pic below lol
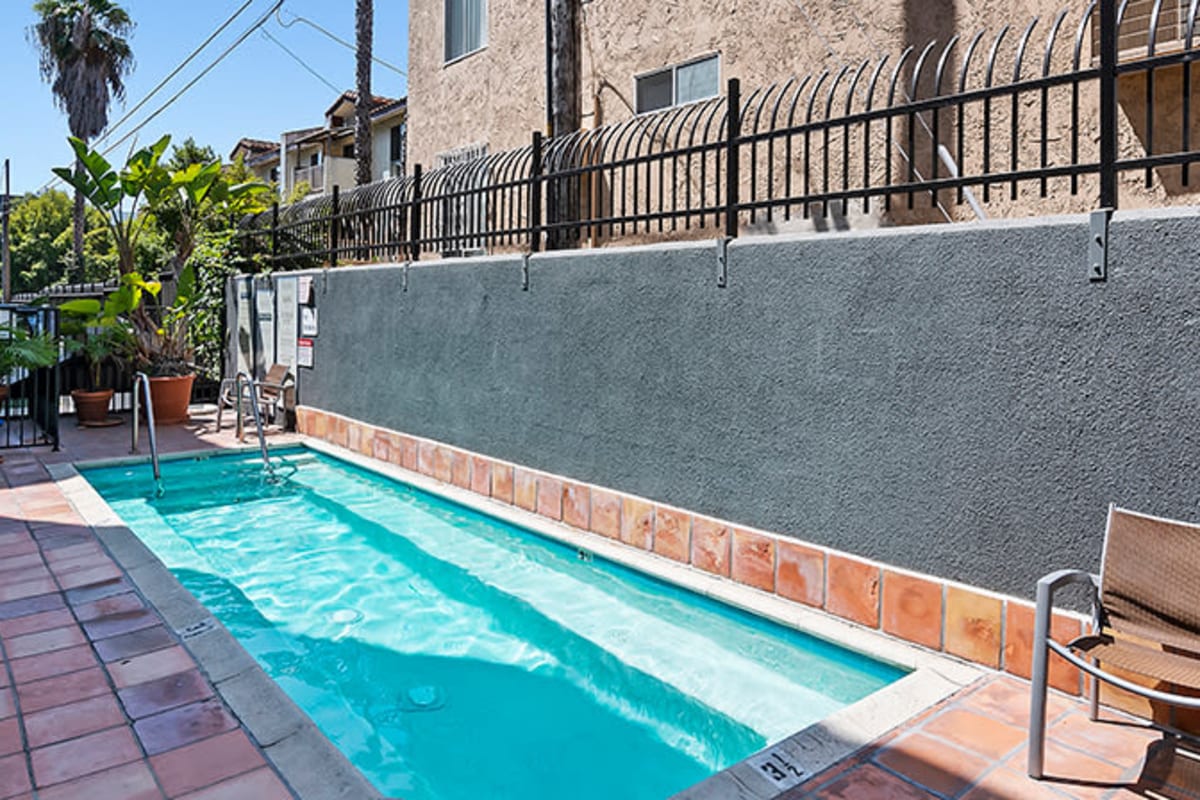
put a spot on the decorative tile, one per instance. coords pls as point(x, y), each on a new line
point(1018, 645)
point(32, 644)
point(576, 506)
point(753, 560)
point(524, 489)
point(132, 644)
point(912, 609)
point(460, 469)
point(62, 689)
point(800, 575)
point(973, 625)
point(261, 784)
point(502, 482)
point(481, 475)
point(872, 783)
point(672, 533)
point(710, 545)
point(120, 622)
point(425, 458)
point(442, 468)
point(550, 497)
point(605, 514)
point(637, 523)
point(381, 446)
point(409, 453)
point(14, 776)
point(117, 604)
point(979, 733)
point(36, 668)
point(932, 764)
point(852, 590)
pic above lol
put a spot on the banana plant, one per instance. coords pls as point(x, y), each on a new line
point(124, 197)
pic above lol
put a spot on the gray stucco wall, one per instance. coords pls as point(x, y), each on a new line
point(955, 400)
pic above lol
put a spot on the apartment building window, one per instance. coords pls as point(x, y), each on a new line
point(466, 27)
point(693, 80)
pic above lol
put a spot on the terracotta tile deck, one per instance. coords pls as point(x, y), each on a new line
point(99, 700)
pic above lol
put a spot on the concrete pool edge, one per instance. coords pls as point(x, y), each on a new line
point(933, 676)
point(311, 765)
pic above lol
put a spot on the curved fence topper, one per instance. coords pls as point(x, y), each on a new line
point(1009, 119)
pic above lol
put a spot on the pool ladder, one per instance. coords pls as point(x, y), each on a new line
point(242, 382)
point(142, 380)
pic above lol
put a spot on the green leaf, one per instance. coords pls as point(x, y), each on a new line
point(86, 307)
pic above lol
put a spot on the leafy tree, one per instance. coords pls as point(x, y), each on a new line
point(84, 56)
point(188, 153)
point(40, 227)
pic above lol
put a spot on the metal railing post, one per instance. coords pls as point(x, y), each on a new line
point(274, 232)
point(733, 127)
point(335, 223)
point(414, 225)
point(535, 195)
point(1108, 104)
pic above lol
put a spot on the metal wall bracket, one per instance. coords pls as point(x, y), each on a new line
point(723, 262)
point(404, 277)
point(525, 272)
point(1098, 245)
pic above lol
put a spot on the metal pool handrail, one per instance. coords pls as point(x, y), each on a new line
point(144, 380)
point(244, 378)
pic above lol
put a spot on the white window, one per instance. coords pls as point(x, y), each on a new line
point(466, 27)
point(678, 84)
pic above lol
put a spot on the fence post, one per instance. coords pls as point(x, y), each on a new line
point(335, 224)
point(274, 232)
point(733, 130)
point(414, 223)
point(535, 195)
point(1108, 104)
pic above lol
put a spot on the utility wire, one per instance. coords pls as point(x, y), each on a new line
point(182, 64)
point(297, 18)
point(262, 20)
point(186, 87)
point(267, 35)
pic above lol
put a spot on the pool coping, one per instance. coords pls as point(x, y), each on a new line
point(309, 763)
point(765, 775)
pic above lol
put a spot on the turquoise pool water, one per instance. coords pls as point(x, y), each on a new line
point(450, 655)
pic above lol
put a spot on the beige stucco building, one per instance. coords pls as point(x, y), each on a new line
point(477, 78)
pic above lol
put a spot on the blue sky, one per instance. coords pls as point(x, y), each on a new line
point(257, 91)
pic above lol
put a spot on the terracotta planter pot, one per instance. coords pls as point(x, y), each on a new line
point(171, 397)
point(91, 408)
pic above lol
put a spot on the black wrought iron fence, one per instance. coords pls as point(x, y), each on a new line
point(29, 398)
point(1010, 117)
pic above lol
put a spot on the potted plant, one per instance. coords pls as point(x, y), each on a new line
point(22, 350)
point(103, 337)
point(181, 203)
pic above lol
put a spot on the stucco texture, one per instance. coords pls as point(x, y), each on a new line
point(955, 400)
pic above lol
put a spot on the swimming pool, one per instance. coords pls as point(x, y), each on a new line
point(450, 655)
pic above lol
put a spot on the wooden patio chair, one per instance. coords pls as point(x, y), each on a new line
point(1146, 618)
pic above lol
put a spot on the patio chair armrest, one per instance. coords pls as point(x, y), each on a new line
point(1064, 577)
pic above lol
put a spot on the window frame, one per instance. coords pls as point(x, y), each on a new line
point(447, 61)
point(674, 70)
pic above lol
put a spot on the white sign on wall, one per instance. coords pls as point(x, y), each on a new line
point(264, 307)
point(308, 321)
point(286, 320)
point(304, 352)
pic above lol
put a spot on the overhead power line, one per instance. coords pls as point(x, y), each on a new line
point(111, 129)
point(267, 35)
point(187, 86)
point(297, 18)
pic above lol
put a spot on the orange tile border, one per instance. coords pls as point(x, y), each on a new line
point(852, 589)
point(912, 609)
point(924, 610)
point(974, 624)
point(752, 559)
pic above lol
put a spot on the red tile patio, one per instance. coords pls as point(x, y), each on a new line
point(98, 698)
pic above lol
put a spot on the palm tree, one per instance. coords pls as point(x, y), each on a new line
point(84, 56)
point(364, 14)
